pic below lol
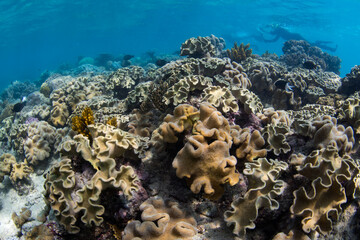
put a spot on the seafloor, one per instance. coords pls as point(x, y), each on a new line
point(211, 144)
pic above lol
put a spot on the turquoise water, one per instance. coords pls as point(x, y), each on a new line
point(40, 35)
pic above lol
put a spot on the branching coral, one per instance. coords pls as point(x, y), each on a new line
point(161, 220)
point(239, 53)
point(80, 123)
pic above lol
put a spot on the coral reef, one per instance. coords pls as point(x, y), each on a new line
point(297, 50)
point(260, 143)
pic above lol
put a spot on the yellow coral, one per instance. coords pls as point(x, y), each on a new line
point(112, 122)
point(239, 53)
point(80, 123)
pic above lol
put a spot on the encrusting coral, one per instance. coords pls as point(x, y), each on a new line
point(161, 220)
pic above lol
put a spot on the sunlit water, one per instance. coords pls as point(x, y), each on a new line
point(40, 35)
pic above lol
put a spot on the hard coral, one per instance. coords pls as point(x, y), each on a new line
point(239, 53)
point(80, 123)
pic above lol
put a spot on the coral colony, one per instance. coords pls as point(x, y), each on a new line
point(216, 144)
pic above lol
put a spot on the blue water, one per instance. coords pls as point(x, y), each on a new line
point(39, 35)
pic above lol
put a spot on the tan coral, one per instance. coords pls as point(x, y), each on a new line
point(183, 119)
point(125, 78)
point(249, 145)
point(180, 91)
point(20, 171)
point(263, 187)
point(40, 138)
point(22, 218)
point(292, 235)
point(221, 98)
point(334, 180)
point(212, 124)
point(161, 220)
point(65, 98)
point(69, 204)
point(206, 166)
point(235, 75)
point(350, 111)
point(198, 47)
point(250, 101)
point(72, 199)
point(7, 160)
point(275, 117)
point(275, 136)
point(327, 132)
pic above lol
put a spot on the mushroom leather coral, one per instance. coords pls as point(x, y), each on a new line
point(248, 144)
point(183, 119)
point(71, 199)
point(161, 220)
point(263, 188)
point(207, 166)
point(69, 204)
point(334, 179)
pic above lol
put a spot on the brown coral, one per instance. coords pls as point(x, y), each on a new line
point(80, 123)
point(239, 53)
